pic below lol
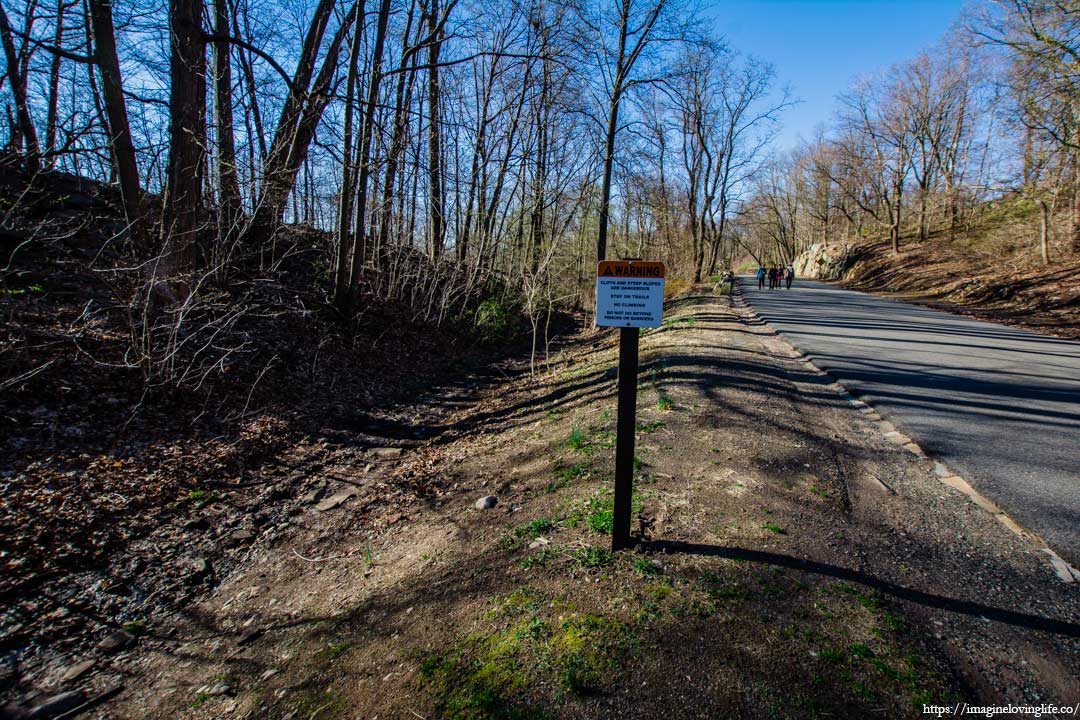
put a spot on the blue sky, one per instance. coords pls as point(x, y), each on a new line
point(818, 46)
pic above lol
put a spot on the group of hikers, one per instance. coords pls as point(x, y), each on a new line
point(777, 276)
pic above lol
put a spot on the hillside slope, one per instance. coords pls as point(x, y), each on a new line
point(126, 495)
point(991, 270)
point(1039, 298)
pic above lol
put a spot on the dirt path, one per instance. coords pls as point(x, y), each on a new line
point(797, 564)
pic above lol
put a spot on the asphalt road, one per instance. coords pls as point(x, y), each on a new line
point(999, 406)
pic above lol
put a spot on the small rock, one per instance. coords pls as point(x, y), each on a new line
point(221, 688)
point(250, 635)
point(239, 537)
point(486, 503)
point(200, 568)
point(57, 614)
point(278, 491)
point(539, 542)
point(335, 500)
point(116, 641)
point(312, 496)
point(77, 670)
point(387, 453)
point(199, 523)
point(58, 705)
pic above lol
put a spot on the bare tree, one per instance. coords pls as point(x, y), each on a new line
point(624, 31)
point(187, 149)
point(17, 80)
point(1046, 37)
point(120, 139)
point(228, 184)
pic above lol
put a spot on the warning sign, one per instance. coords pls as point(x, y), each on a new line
point(629, 293)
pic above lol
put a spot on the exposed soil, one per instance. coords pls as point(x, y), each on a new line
point(988, 282)
point(124, 499)
point(794, 563)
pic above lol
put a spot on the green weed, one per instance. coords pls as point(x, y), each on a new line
point(603, 521)
point(534, 529)
point(832, 656)
point(542, 557)
point(333, 652)
point(591, 556)
point(579, 441)
point(893, 622)
point(646, 567)
point(860, 650)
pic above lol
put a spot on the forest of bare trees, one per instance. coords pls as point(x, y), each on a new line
point(918, 150)
point(457, 156)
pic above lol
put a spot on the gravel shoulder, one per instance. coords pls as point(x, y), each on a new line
point(998, 406)
point(794, 563)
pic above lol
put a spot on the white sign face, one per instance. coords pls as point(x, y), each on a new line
point(629, 296)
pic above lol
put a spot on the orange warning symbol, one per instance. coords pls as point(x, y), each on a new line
point(650, 269)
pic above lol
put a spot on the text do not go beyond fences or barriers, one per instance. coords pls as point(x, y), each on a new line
point(629, 294)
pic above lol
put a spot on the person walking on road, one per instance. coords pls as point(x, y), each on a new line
point(789, 275)
point(761, 277)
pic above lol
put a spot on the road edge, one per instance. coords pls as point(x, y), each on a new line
point(1063, 570)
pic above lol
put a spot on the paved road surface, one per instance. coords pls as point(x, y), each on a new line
point(999, 406)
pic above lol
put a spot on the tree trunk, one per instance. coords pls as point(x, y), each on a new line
point(1044, 232)
point(436, 210)
point(923, 232)
point(536, 218)
point(894, 230)
point(54, 87)
point(279, 172)
point(187, 141)
point(367, 131)
point(403, 99)
point(123, 150)
point(1076, 200)
point(95, 92)
point(253, 100)
point(344, 237)
point(605, 187)
point(228, 185)
point(17, 80)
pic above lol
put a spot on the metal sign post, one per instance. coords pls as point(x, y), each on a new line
point(629, 295)
point(624, 436)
